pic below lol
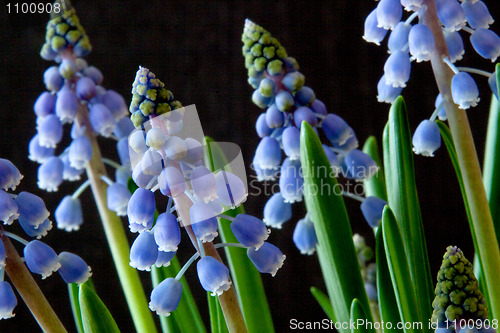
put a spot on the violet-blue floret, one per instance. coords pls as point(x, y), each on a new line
point(288, 102)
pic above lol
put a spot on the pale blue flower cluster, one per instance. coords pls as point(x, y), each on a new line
point(410, 41)
point(280, 89)
point(167, 155)
point(76, 99)
point(30, 211)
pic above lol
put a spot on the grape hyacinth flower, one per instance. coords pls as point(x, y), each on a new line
point(167, 155)
point(456, 18)
point(280, 89)
point(457, 293)
point(30, 211)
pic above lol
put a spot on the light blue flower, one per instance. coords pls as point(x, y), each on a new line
point(284, 101)
point(486, 43)
point(268, 154)
point(477, 14)
point(261, 126)
point(291, 142)
point(455, 45)
point(451, 14)
point(80, 152)
point(412, 5)
point(304, 236)
point(73, 268)
point(213, 275)
point(231, 190)
point(204, 184)
point(40, 231)
point(68, 68)
point(50, 131)
point(85, 88)
point(427, 138)
point(118, 196)
point(305, 96)
point(70, 173)
point(101, 119)
point(397, 69)
point(389, 13)
point(386, 92)
point(274, 117)
point(50, 174)
point(52, 79)
point(41, 258)
point(203, 222)
point(167, 233)
point(372, 32)
point(372, 208)
point(68, 214)
point(291, 181)
point(144, 251)
point(8, 208)
point(38, 153)
point(304, 114)
point(8, 300)
point(268, 259)
point(66, 105)
point(277, 211)
point(94, 73)
point(141, 206)
point(32, 209)
point(249, 230)
point(123, 128)
point(398, 39)
point(172, 182)
point(166, 296)
point(164, 258)
point(464, 90)
point(294, 81)
point(359, 165)
point(45, 104)
point(421, 42)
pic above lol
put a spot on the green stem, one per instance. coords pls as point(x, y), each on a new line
point(29, 290)
point(469, 164)
point(116, 236)
point(228, 300)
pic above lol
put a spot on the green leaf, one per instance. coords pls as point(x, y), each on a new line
point(75, 306)
point(389, 311)
point(96, 317)
point(217, 321)
point(246, 279)
point(400, 272)
point(186, 318)
point(375, 186)
point(403, 200)
point(358, 316)
point(323, 301)
point(491, 174)
point(336, 252)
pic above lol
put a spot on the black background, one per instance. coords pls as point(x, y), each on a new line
point(194, 47)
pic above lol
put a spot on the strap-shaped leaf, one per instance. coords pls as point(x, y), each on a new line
point(359, 318)
point(400, 273)
point(336, 252)
point(375, 186)
point(217, 321)
point(389, 311)
point(75, 306)
point(323, 301)
point(96, 317)
point(403, 200)
point(246, 279)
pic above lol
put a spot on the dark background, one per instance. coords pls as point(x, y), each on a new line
point(194, 47)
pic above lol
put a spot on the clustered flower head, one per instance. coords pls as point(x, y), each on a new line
point(76, 102)
point(30, 211)
point(410, 41)
point(280, 89)
point(167, 156)
point(458, 295)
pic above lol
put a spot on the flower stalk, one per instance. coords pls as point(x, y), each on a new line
point(29, 290)
point(469, 164)
point(115, 234)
